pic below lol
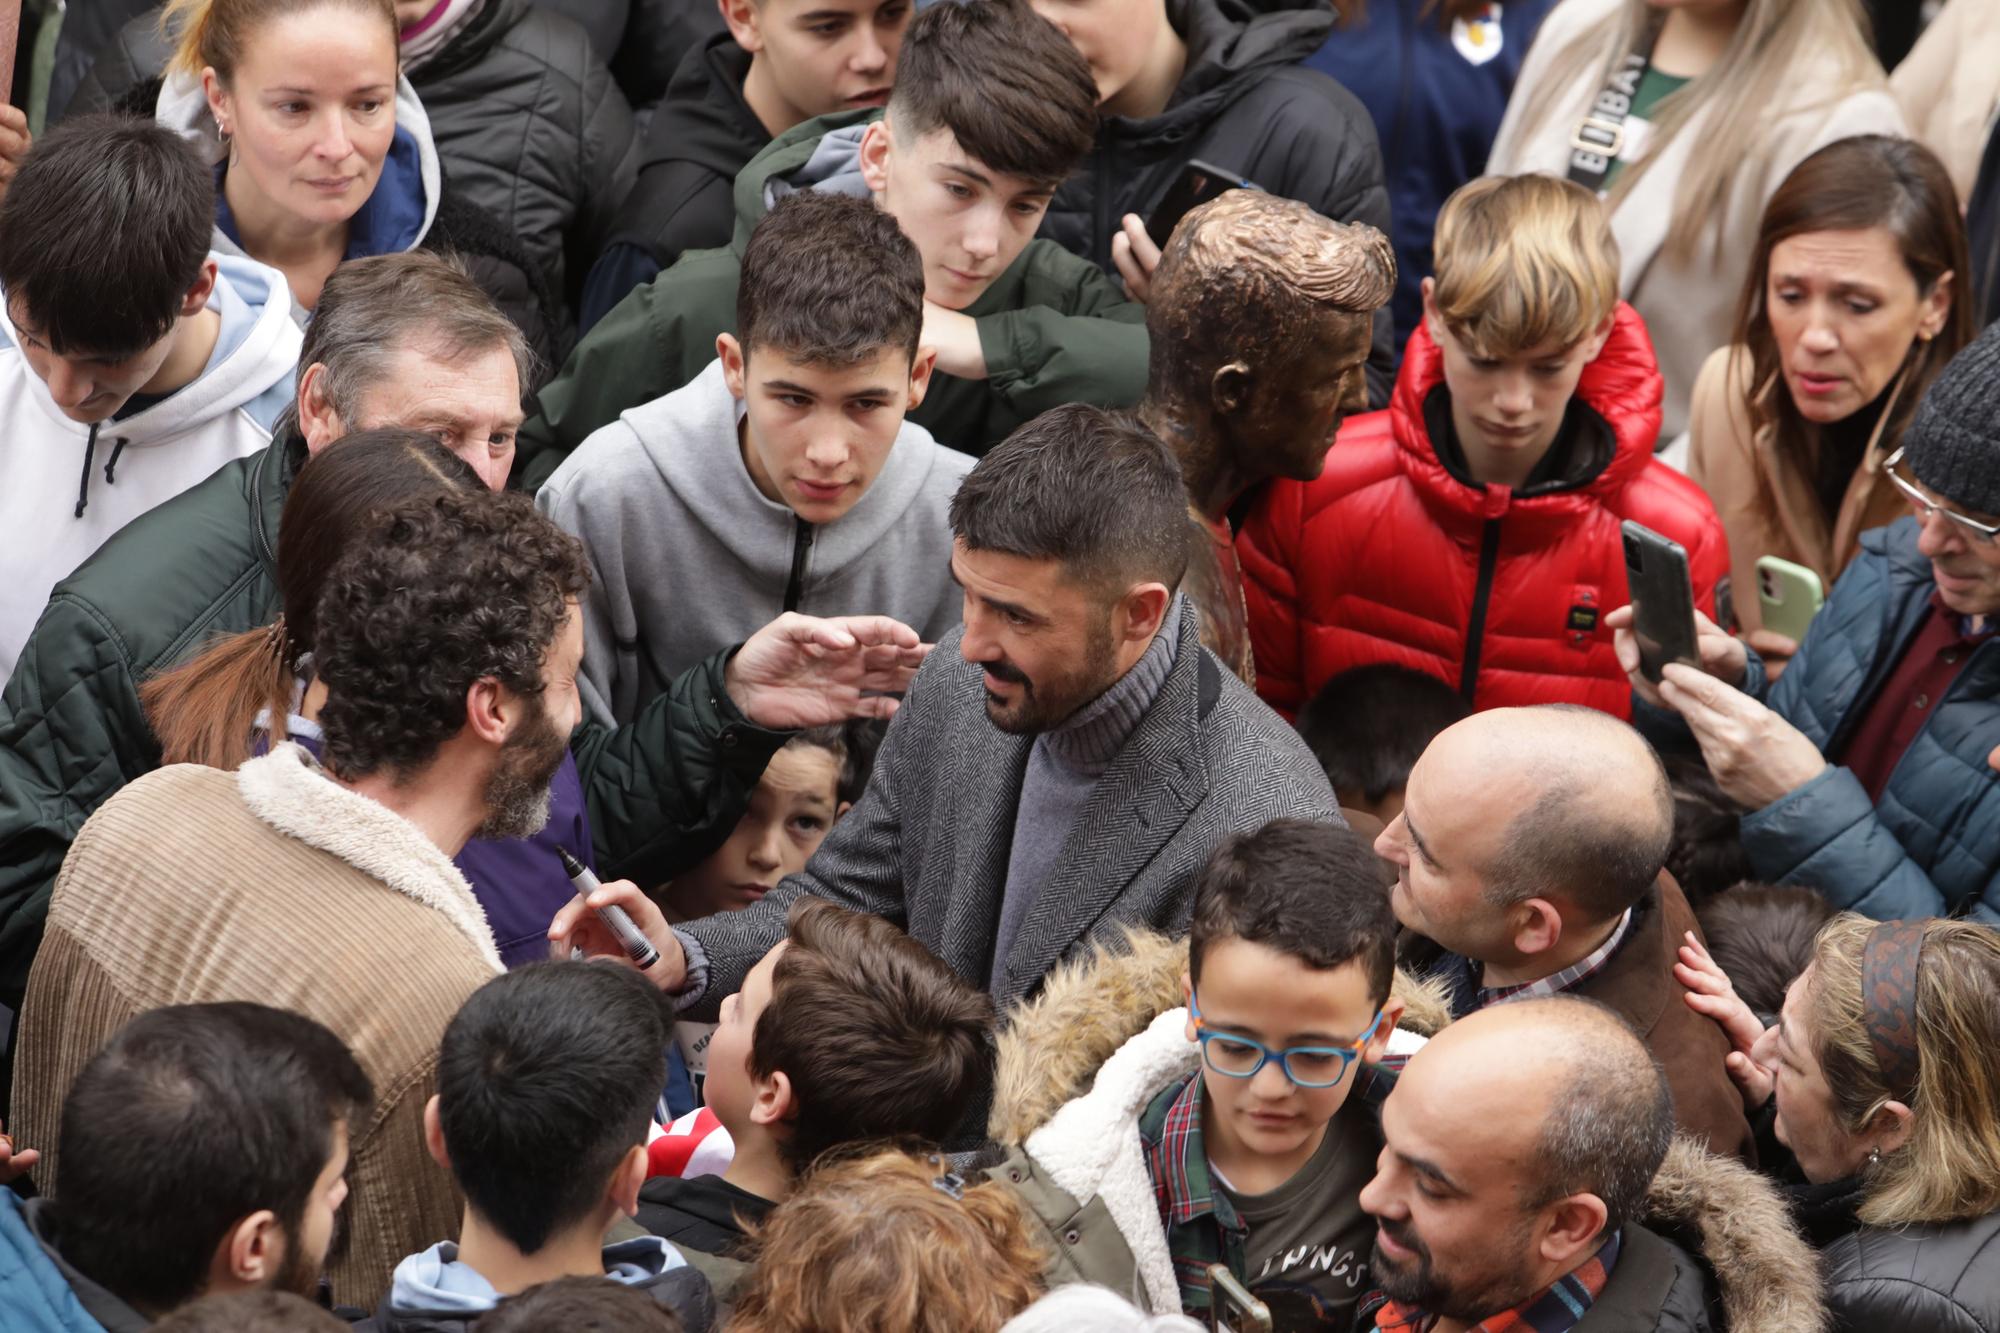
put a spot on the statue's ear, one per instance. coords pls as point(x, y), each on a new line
point(1229, 388)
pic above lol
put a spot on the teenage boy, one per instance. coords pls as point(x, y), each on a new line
point(1472, 529)
point(204, 1151)
point(783, 478)
point(1242, 1129)
point(546, 1082)
point(133, 363)
point(781, 62)
point(992, 110)
point(847, 1031)
point(1181, 80)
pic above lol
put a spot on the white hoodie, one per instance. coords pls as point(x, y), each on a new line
point(226, 413)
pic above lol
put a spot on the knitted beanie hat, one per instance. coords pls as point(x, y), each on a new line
point(1953, 443)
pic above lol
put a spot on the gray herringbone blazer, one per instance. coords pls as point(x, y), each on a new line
point(927, 845)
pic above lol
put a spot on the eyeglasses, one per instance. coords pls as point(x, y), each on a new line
point(1983, 534)
point(1306, 1066)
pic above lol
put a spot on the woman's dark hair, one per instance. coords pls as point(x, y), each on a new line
point(1857, 184)
point(205, 710)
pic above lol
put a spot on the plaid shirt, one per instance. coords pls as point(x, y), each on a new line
point(1201, 1227)
point(1557, 1309)
point(1461, 975)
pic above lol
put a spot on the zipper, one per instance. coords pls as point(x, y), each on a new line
point(1482, 595)
point(802, 544)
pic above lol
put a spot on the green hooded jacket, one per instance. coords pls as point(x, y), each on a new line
point(662, 792)
point(1053, 328)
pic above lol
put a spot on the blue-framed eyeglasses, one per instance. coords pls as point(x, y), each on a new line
point(1233, 1056)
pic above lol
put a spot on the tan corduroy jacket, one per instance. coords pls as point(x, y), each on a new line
point(1767, 506)
point(1688, 305)
point(274, 885)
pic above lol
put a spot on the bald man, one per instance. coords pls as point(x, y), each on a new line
point(1532, 1214)
point(1529, 851)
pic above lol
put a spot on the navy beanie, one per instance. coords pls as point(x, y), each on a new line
point(1953, 443)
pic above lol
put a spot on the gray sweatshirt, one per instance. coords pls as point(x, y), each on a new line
point(688, 556)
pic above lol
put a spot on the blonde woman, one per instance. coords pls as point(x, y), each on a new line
point(1887, 1098)
point(1686, 115)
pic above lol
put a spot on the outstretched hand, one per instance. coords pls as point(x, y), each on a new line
point(799, 671)
point(578, 926)
point(15, 1162)
point(1712, 994)
point(1755, 755)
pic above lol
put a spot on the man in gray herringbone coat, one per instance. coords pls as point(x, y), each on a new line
point(1063, 765)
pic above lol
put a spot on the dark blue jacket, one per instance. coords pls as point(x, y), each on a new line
point(1931, 845)
point(1436, 98)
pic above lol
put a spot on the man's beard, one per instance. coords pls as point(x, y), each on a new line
point(1419, 1285)
point(517, 795)
point(1039, 710)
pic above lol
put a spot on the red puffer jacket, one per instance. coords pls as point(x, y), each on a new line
point(1389, 558)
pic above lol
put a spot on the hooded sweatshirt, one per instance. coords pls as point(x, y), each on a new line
point(434, 1293)
point(1053, 328)
point(396, 216)
point(1246, 104)
point(70, 486)
point(688, 556)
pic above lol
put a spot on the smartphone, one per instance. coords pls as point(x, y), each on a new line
point(1231, 1307)
point(1656, 572)
point(1197, 183)
point(1789, 595)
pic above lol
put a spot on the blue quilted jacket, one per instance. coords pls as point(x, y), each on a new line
point(34, 1297)
point(1931, 845)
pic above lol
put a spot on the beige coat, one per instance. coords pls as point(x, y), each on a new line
point(1949, 86)
point(269, 884)
point(1689, 307)
point(1768, 507)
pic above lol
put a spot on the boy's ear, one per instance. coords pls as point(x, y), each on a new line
point(1601, 335)
point(1378, 1045)
point(877, 145)
point(1433, 322)
point(774, 1103)
point(840, 811)
point(434, 1134)
point(627, 1180)
point(195, 299)
point(730, 352)
point(920, 376)
point(744, 23)
point(1187, 998)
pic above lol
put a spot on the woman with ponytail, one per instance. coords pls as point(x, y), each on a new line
point(218, 708)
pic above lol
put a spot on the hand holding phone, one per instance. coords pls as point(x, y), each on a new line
point(1656, 574)
point(1197, 183)
point(1788, 595)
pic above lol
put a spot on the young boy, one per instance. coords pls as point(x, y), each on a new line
point(783, 478)
point(1368, 725)
point(992, 109)
point(1472, 529)
point(546, 1082)
point(781, 62)
point(848, 1031)
point(1239, 1130)
point(133, 363)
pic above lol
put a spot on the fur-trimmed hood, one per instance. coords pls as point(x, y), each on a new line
point(1735, 1219)
point(288, 790)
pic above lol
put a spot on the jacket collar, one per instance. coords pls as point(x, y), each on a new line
point(1229, 51)
point(1623, 386)
point(288, 790)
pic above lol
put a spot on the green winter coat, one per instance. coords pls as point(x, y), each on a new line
point(661, 792)
point(1053, 328)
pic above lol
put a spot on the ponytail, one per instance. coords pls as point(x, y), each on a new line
point(204, 710)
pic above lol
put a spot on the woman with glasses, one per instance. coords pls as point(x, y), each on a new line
point(1868, 771)
point(1849, 313)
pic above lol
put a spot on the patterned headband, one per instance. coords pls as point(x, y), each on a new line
point(1889, 1002)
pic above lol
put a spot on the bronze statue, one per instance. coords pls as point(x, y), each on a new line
point(1260, 315)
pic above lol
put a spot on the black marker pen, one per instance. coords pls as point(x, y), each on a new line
point(633, 940)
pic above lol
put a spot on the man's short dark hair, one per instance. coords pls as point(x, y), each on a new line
point(1368, 725)
point(1090, 488)
point(580, 1305)
point(264, 1310)
point(547, 1077)
point(189, 1120)
point(879, 1039)
point(1308, 891)
point(1609, 1124)
point(102, 233)
point(450, 589)
point(1008, 85)
point(829, 280)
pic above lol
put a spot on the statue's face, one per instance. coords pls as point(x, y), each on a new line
point(1301, 391)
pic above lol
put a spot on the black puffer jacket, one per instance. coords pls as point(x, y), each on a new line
point(659, 35)
point(1923, 1279)
point(527, 122)
point(699, 138)
point(1244, 103)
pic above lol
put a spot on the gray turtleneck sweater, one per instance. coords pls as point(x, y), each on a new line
point(1063, 767)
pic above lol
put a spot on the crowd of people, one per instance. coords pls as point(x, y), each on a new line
point(1149, 778)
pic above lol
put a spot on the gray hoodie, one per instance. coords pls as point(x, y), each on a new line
point(688, 556)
